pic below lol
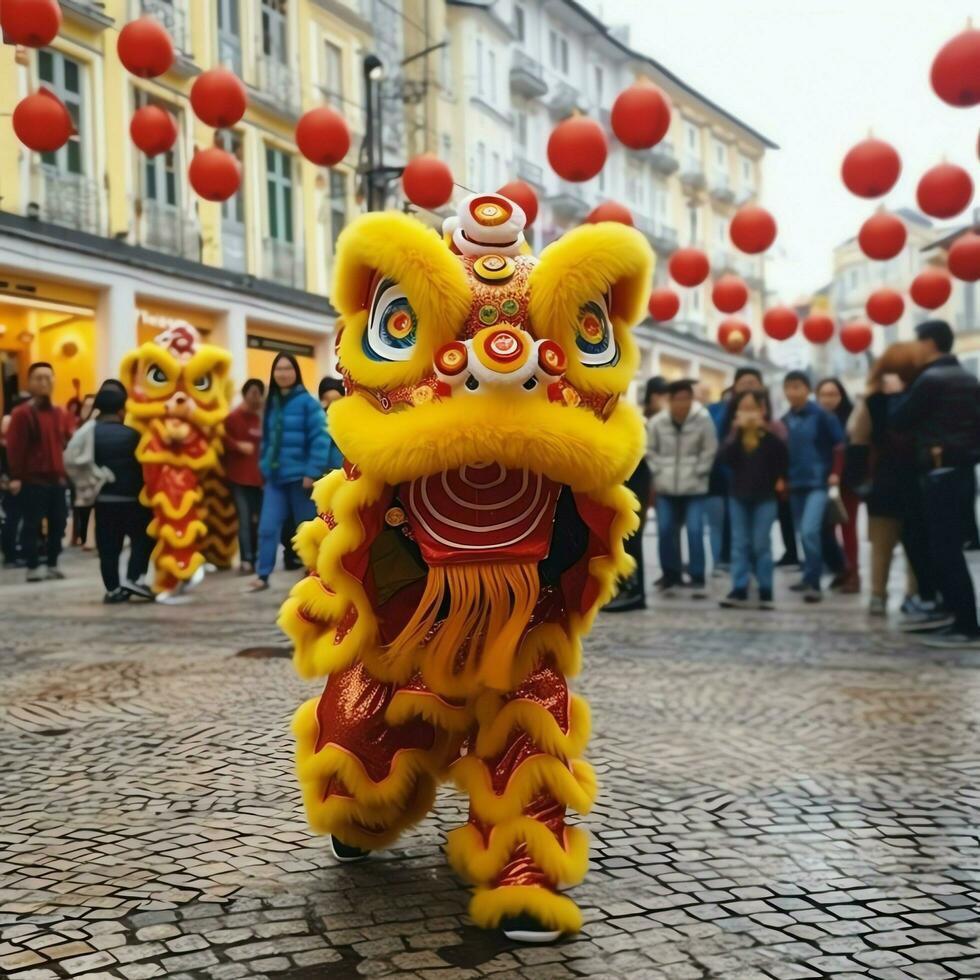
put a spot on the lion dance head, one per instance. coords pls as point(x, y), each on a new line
point(178, 400)
point(476, 528)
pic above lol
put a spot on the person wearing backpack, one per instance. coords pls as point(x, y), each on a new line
point(36, 441)
point(118, 512)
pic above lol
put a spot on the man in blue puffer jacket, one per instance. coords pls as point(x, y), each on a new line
point(295, 452)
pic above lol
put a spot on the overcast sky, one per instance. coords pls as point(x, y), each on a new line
point(814, 76)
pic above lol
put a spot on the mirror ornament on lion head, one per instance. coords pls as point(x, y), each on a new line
point(461, 554)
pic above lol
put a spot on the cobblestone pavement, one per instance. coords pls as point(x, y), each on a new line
point(783, 795)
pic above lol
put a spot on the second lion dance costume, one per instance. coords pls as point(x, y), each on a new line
point(462, 552)
point(178, 401)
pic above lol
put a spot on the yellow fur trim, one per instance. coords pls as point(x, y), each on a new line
point(481, 864)
point(586, 264)
point(309, 537)
point(573, 785)
point(406, 705)
point(489, 905)
point(167, 564)
point(317, 601)
point(370, 798)
point(160, 501)
point(401, 248)
point(568, 445)
point(168, 533)
point(316, 652)
point(547, 640)
point(529, 716)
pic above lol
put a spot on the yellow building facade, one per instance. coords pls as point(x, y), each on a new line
point(101, 246)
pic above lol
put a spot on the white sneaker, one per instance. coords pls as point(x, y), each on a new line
point(878, 606)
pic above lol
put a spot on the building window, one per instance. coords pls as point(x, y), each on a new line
point(694, 223)
point(479, 67)
point(597, 83)
point(721, 230)
point(520, 128)
point(64, 78)
point(274, 31)
point(338, 206)
point(498, 177)
point(746, 169)
point(481, 167)
point(230, 35)
point(520, 26)
point(492, 75)
point(633, 182)
point(279, 184)
point(558, 49)
point(693, 139)
point(333, 74)
point(232, 210)
point(447, 147)
point(721, 156)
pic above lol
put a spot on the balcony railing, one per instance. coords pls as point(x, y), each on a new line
point(230, 51)
point(662, 236)
point(173, 18)
point(276, 85)
point(745, 193)
point(722, 260)
point(527, 76)
point(721, 188)
point(283, 263)
point(67, 199)
point(663, 158)
point(692, 173)
point(569, 200)
point(233, 247)
point(565, 99)
point(167, 229)
point(533, 173)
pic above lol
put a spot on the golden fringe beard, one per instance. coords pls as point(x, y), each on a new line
point(484, 611)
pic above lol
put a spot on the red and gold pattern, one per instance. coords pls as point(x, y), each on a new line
point(460, 557)
point(178, 402)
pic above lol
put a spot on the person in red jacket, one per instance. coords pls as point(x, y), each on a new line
point(243, 440)
point(35, 443)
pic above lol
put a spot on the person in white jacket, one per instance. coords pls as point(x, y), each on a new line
point(681, 448)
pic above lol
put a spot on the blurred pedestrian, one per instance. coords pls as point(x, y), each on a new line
point(81, 513)
point(757, 458)
point(10, 509)
point(841, 556)
point(119, 514)
point(331, 390)
point(941, 413)
point(716, 505)
point(36, 440)
point(813, 436)
point(295, 449)
point(243, 445)
point(681, 447)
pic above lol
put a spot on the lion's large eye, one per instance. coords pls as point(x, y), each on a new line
point(392, 329)
point(594, 335)
point(203, 383)
point(156, 375)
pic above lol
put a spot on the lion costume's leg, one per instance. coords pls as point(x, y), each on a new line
point(367, 766)
point(521, 773)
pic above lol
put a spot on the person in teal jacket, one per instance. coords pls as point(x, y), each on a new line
point(295, 452)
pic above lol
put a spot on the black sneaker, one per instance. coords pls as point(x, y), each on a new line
point(926, 621)
point(765, 599)
point(697, 588)
point(345, 853)
point(116, 596)
point(625, 602)
point(788, 561)
point(527, 929)
point(812, 594)
point(800, 586)
point(736, 599)
point(952, 639)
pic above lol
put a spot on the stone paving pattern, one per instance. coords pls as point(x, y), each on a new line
point(783, 795)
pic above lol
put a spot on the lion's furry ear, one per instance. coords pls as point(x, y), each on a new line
point(607, 263)
point(399, 249)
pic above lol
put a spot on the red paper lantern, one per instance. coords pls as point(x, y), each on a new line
point(427, 181)
point(33, 23)
point(729, 294)
point(753, 229)
point(153, 130)
point(640, 116)
point(522, 194)
point(145, 48)
point(964, 257)
point(218, 98)
point(871, 168)
point(215, 174)
point(322, 136)
point(882, 236)
point(689, 266)
point(931, 288)
point(610, 211)
point(818, 328)
point(856, 337)
point(577, 148)
point(664, 304)
point(885, 306)
point(734, 335)
point(955, 74)
point(944, 191)
point(41, 122)
point(780, 322)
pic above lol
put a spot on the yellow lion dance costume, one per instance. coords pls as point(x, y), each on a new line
point(462, 553)
point(178, 400)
